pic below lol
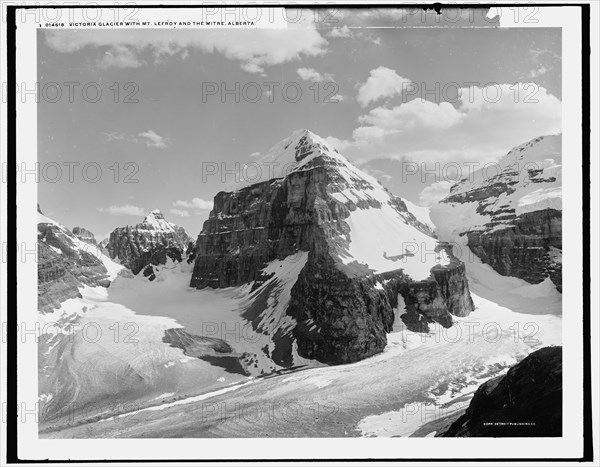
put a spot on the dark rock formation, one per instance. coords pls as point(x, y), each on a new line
point(215, 351)
point(64, 265)
point(521, 201)
point(526, 402)
point(530, 248)
point(84, 235)
point(148, 243)
point(341, 319)
point(436, 299)
point(342, 309)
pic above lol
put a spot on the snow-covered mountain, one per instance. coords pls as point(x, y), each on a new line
point(319, 265)
point(66, 263)
point(331, 254)
point(149, 243)
point(510, 214)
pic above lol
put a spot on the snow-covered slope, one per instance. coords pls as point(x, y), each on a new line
point(66, 263)
point(155, 221)
point(511, 212)
point(528, 178)
point(78, 248)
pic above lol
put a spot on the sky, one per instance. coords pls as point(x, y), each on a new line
point(162, 135)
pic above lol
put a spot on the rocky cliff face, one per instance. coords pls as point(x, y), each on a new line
point(361, 246)
point(149, 243)
point(84, 235)
point(511, 213)
point(530, 248)
point(65, 263)
point(527, 401)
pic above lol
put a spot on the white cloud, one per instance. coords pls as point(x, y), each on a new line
point(154, 140)
point(434, 193)
point(544, 61)
point(340, 144)
point(125, 210)
point(180, 212)
point(254, 68)
point(150, 138)
point(415, 113)
point(481, 127)
point(537, 72)
point(310, 74)
point(382, 83)
point(336, 98)
point(195, 203)
point(344, 31)
point(120, 56)
point(374, 39)
point(253, 48)
point(116, 136)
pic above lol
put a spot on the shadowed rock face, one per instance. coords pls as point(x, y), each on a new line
point(342, 309)
point(526, 402)
point(64, 265)
point(216, 351)
point(519, 232)
point(149, 243)
point(531, 248)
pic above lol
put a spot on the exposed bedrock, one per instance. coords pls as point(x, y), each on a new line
point(84, 235)
point(63, 266)
point(149, 243)
point(529, 249)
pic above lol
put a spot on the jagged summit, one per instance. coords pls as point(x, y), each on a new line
point(149, 243)
point(155, 220)
point(520, 175)
point(302, 150)
point(299, 146)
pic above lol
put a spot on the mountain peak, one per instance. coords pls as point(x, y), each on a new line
point(156, 213)
point(306, 143)
point(295, 153)
point(156, 220)
point(150, 243)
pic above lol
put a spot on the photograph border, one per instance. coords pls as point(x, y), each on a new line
point(12, 370)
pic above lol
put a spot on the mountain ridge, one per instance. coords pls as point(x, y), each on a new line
point(66, 263)
point(512, 220)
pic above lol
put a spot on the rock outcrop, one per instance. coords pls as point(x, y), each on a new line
point(149, 243)
point(526, 402)
point(511, 213)
point(65, 263)
point(530, 248)
point(84, 235)
point(361, 245)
